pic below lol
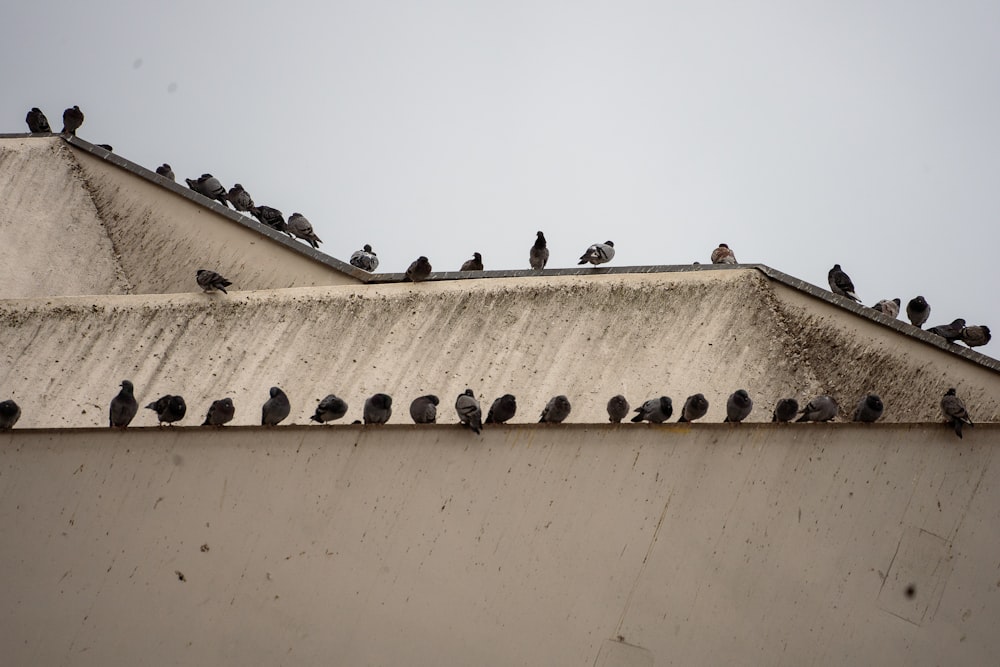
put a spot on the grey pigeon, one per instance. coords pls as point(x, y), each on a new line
point(723, 255)
point(840, 283)
point(738, 406)
point(887, 307)
point(331, 408)
point(211, 187)
point(695, 407)
point(365, 259)
point(469, 412)
point(240, 198)
point(10, 412)
point(556, 410)
point(165, 171)
point(271, 217)
point(599, 253)
point(976, 336)
point(539, 255)
point(300, 227)
point(785, 410)
point(655, 410)
point(423, 409)
point(37, 122)
point(419, 270)
point(209, 280)
point(869, 409)
point(954, 411)
point(950, 332)
point(618, 408)
point(72, 120)
point(168, 408)
point(378, 409)
point(820, 409)
point(474, 264)
point(220, 412)
point(917, 311)
point(123, 406)
point(275, 409)
point(502, 410)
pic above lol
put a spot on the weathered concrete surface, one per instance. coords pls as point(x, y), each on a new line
point(531, 545)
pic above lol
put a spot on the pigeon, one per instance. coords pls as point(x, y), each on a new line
point(419, 270)
point(275, 409)
point(108, 147)
point(378, 409)
point(538, 257)
point(599, 253)
point(168, 408)
point(502, 410)
point(695, 407)
point(474, 264)
point(975, 336)
point(655, 410)
point(469, 412)
point(123, 406)
point(820, 409)
point(209, 280)
point(220, 412)
point(738, 406)
point(556, 410)
point(918, 310)
point(723, 255)
point(37, 122)
point(887, 307)
point(365, 259)
point(785, 410)
point(300, 227)
point(165, 171)
point(618, 408)
point(211, 187)
point(954, 411)
point(423, 409)
point(240, 198)
point(950, 332)
point(72, 120)
point(330, 409)
point(840, 283)
point(271, 217)
point(10, 412)
point(869, 409)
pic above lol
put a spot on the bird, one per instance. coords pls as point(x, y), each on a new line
point(738, 406)
point(599, 253)
point(423, 409)
point(502, 410)
point(378, 409)
point(655, 410)
point(123, 406)
point(820, 409)
point(785, 410)
point(209, 280)
point(331, 408)
point(271, 217)
point(869, 409)
point(275, 409)
point(72, 120)
point(950, 332)
point(300, 227)
point(975, 336)
point(212, 188)
point(917, 311)
point(10, 412)
point(556, 410)
point(887, 307)
point(220, 412)
point(695, 407)
point(474, 264)
point(840, 283)
point(469, 412)
point(723, 255)
point(538, 256)
point(365, 259)
point(954, 411)
point(418, 270)
point(618, 408)
point(108, 147)
point(168, 408)
point(240, 198)
point(165, 171)
point(37, 122)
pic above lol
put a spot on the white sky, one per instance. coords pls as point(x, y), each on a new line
point(800, 133)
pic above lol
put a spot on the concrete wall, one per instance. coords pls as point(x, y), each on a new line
point(529, 545)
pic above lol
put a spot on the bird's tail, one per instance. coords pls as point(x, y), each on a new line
point(958, 427)
point(637, 418)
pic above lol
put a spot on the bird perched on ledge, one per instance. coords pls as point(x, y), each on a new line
point(723, 255)
point(365, 259)
point(123, 406)
point(300, 227)
point(474, 264)
point(954, 411)
point(599, 253)
point(209, 280)
point(423, 410)
point(271, 217)
point(840, 283)
point(917, 311)
point(72, 120)
point(165, 171)
point(168, 408)
point(695, 407)
point(556, 410)
point(618, 408)
point(950, 332)
point(655, 410)
point(975, 336)
point(419, 270)
point(240, 198)
point(331, 408)
point(220, 412)
point(887, 307)
point(275, 408)
point(37, 122)
point(538, 257)
point(785, 410)
point(469, 412)
point(502, 410)
point(820, 409)
point(10, 412)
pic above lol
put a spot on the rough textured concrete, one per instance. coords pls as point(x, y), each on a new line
point(531, 545)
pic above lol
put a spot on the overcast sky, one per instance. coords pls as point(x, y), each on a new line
point(800, 133)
